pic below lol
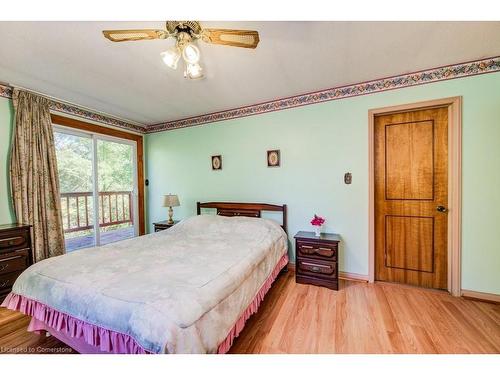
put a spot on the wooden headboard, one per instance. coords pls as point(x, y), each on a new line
point(243, 209)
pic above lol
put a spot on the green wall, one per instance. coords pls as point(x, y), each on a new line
point(318, 144)
point(6, 116)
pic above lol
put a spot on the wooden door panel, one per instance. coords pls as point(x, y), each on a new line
point(411, 180)
point(409, 160)
point(409, 243)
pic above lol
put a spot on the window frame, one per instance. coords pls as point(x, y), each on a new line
point(116, 135)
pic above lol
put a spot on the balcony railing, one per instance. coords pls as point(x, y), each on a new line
point(115, 207)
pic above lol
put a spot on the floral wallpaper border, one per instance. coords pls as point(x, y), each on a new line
point(471, 68)
point(6, 92)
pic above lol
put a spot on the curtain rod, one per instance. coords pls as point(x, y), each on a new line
point(70, 103)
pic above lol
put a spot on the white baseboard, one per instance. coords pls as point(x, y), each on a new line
point(481, 296)
point(353, 276)
point(470, 294)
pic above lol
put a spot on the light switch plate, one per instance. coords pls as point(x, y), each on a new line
point(348, 178)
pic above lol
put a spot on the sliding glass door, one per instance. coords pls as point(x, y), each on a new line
point(76, 183)
point(98, 183)
point(116, 187)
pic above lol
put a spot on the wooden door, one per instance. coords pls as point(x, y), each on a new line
point(411, 197)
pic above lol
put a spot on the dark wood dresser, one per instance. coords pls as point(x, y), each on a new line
point(162, 225)
point(15, 254)
point(317, 259)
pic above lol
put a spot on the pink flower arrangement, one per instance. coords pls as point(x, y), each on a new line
point(317, 221)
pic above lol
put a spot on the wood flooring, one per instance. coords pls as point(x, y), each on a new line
point(14, 339)
point(359, 318)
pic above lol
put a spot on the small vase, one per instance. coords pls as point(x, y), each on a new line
point(317, 230)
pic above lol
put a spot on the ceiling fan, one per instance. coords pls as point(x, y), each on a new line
point(186, 34)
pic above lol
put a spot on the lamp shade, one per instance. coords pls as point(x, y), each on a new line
point(171, 200)
point(171, 57)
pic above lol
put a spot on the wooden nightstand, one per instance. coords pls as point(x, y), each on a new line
point(162, 225)
point(316, 260)
point(15, 254)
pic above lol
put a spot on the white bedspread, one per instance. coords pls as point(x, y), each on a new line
point(175, 291)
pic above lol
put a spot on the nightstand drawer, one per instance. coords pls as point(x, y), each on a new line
point(15, 254)
point(317, 250)
point(310, 267)
point(14, 240)
point(15, 261)
point(8, 279)
point(4, 293)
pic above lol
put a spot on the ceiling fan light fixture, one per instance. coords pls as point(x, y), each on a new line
point(193, 71)
point(186, 33)
point(171, 57)
point(191, 54)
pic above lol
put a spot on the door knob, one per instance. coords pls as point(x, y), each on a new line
point(441, 209)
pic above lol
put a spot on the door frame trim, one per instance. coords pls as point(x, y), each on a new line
point(454, 105)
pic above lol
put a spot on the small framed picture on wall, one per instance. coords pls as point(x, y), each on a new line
point(273, 158)
point(217, 162)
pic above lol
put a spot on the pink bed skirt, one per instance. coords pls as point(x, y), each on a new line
point(46, 318)
point(225, 345)
point(92, 339)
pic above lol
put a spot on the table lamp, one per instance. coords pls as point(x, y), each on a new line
point(170, 201)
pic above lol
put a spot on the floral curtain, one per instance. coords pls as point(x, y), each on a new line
point(33, 174)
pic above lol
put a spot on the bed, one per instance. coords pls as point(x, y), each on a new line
point(188, 289)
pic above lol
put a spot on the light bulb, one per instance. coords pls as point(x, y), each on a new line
point(193, 71)
point(191, 54)
point(171, 57)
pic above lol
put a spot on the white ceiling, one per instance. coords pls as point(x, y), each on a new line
point(74, 62)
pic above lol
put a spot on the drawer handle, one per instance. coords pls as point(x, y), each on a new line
point(10, 241)
point(322, 251)
point(4, 283)
point(317, 268)
point(307, 249)
point(10, 258)
point(314, 265)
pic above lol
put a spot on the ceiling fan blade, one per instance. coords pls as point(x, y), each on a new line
point(140, 34)
point(228, 37)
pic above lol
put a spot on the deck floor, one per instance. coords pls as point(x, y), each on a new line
point(106, 237)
